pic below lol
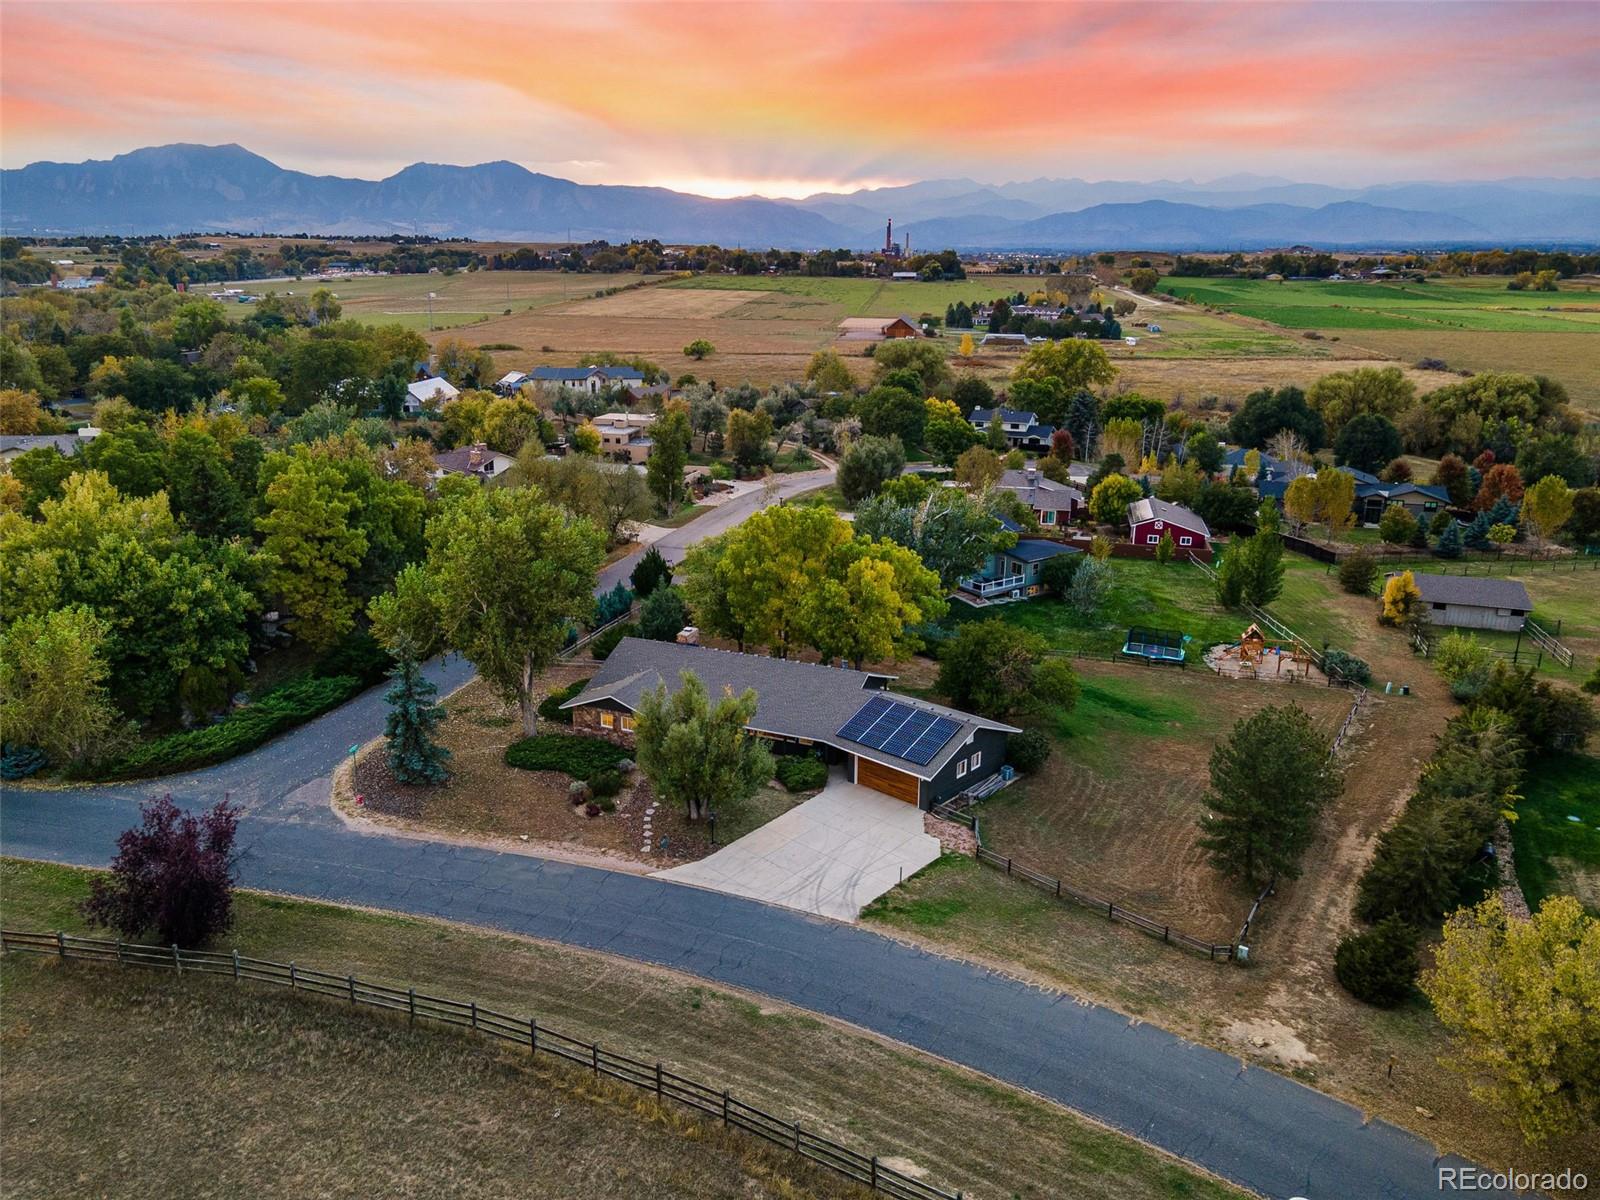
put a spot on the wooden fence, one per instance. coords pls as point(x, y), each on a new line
point(718, 1103)
point(568, 652)
point(1472, 562)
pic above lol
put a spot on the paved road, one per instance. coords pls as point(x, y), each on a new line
point(1257, 1128)
point(676, 542)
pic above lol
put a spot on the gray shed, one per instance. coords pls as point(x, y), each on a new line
point(1474, 601)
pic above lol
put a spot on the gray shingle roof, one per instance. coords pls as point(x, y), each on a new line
point(1476, 590)
point(1040, 493)
point(794, 699)
point(64, 443)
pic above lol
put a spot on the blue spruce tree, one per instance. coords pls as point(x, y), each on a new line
point(414, 757)
point(1449, 543)
point(1477, 536)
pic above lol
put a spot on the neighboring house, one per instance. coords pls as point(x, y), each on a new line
point(876, 329)
point(1022, 428)
point(508, 383)
point(1014, 574)
point(13, 445)
point(431, 393)
point(1474, 601)
point(1234, 458)
point(592, 379)
point(477, 460)
point(623, 436)
point(1149, 518)
point(907, 748)
point(1055, 504)
point(1420, 500)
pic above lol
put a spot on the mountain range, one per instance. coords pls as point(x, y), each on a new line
point(189, 188)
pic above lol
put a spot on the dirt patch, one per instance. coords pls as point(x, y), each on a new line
point(1271, 1039)
point(664, 303)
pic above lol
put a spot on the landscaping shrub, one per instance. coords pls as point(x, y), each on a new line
point(613, 604)
point(358, 654)
point(1028, 750)
point(606, 783)
point(601, 648)
point(550, 707)
point(18, 762)
point(1357, 573)
point(581, 757)
point(1344, 665)
point(801, 774)
point(663, 614)
point(1378, 965)
point(282, 708)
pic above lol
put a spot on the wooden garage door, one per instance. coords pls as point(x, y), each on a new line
point(886, 780)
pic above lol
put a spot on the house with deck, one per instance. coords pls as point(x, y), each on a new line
point(1013, 574)
point(1054, 504)
point(624, 436)
point(904, 747)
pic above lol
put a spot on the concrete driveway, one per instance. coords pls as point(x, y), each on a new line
point(843, 847)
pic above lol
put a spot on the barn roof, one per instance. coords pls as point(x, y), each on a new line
point(1474, 591)
point(1151, 509)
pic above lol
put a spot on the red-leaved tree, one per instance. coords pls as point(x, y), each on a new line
point(173, 874)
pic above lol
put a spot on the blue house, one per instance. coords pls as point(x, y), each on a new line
point(1014, 574)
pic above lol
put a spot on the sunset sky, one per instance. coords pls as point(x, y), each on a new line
point(786, 99)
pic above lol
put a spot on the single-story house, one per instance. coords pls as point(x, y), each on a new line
point(1014, 574)
point(1233, 459)
point(1055, 504)
point(1474, 601)
point(477, 461)
point(591, 379)
point(623, 436)
point(508, 383)
point(901, 746)
point(876, 329)
point(1422, 501)
point(1022, 428)
point(431, 393)
point(14, 445)
point(1149, 518)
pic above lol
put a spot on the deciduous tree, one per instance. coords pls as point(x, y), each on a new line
point(868, 465)
point(1547, 506)
point(997, 668)
point(311, 546)
point(696, 753)
point(53, 691)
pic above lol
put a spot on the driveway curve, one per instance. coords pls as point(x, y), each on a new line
point(1253, 1127)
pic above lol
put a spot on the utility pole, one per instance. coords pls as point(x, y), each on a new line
point(430, 312)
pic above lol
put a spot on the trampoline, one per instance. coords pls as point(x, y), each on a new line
point(1155, 645)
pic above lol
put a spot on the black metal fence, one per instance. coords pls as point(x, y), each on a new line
point(717, 1103)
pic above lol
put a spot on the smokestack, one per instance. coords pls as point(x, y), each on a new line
point(888, 237)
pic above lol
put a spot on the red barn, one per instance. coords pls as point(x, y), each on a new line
point(1149, 518)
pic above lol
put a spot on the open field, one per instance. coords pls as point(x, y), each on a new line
point(856, 1089)
point(1477, 304)
point(1116, 810)
point(1571, 358)
point(1556, 854)
point(870, 297)
point(462, 298)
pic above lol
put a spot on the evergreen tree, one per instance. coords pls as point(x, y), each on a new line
point(1449, 543)
point(413, 755)
point(651, 573)
point(1269, 780)
point(1503, 512)
point(1477, 535)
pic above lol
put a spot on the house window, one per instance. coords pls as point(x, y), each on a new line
point(977, 759)
point(1438, 608)
point(608, 721)
point(627, 724)
point(1048, 517)
point(961, 768)
point(1185, 541)
point(1152, 539)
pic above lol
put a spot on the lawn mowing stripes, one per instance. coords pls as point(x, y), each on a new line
point(522, 1031)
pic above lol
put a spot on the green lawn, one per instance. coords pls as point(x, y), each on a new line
point(1555, 854)
point(869, 297)
point(1176, 596)
point(1435, 305)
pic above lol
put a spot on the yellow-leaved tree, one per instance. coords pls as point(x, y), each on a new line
point(1521, 1000)
point(966, 347)
point(1401, 599)
point(1547, 505)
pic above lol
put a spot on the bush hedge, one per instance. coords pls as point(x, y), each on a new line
point(18, 762)
point(606, 783)
point(244, 729)
point(581, 757)
point(801, 774)
point(550, 707)
point(1029, 750)
point(1344, 665)
point(1378, 965)
point(601, 648)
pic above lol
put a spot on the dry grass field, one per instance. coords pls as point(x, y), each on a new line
point(102, 1096)
point(1116, 811)
point(1572, 358)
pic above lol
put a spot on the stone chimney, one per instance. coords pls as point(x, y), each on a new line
point(475, 456)
point(689, 635)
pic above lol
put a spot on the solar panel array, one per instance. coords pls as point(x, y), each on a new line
point(913, 734)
